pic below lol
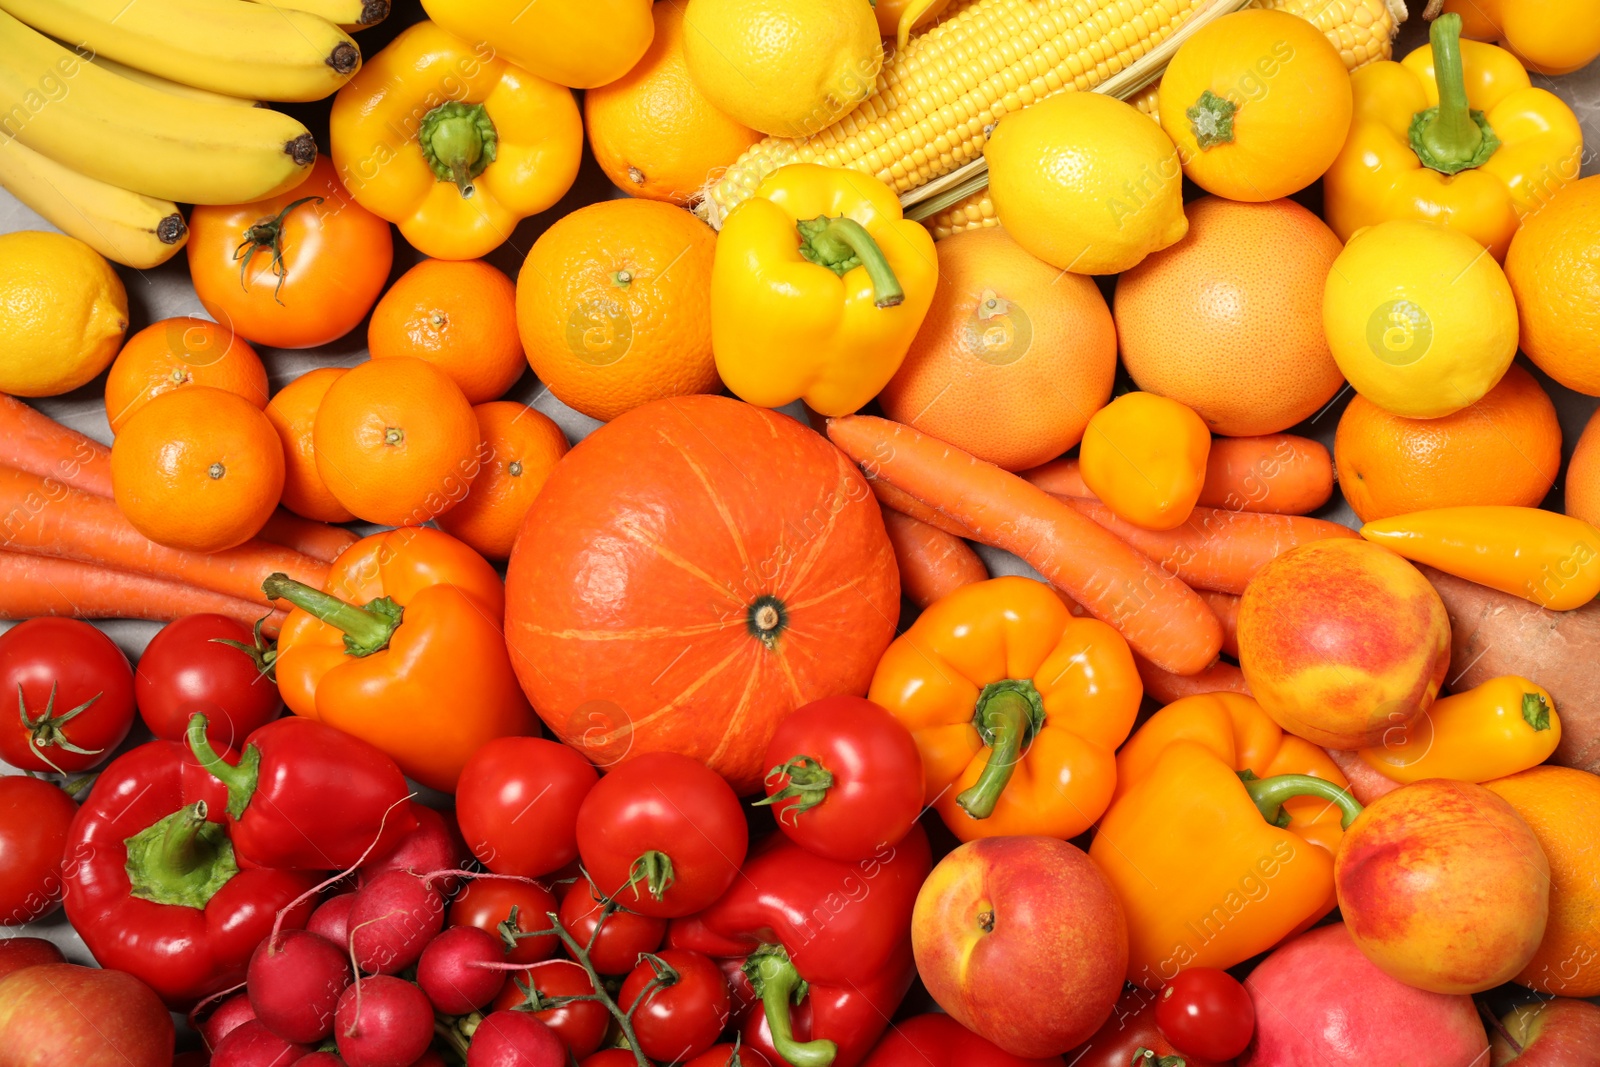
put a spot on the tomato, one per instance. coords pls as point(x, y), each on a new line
point(845, 778)
point(517, 804)
point(487, 902)
point(662, 834)
point(679, 1001)
point(1131, 1027)
point(1206, 1013)
point(581, 1024)
point(190, 666)
point(34, 817)
point(729, 1056)
point(611, 1057)
point(288, 271)
point(66, 696)
point(623, 935)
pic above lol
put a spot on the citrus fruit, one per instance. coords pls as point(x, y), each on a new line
point(197, 468)
point(1583, 474)
point(1505, 449)
point(65, 311)
point(179, 352)
point(1554, 269)
point(293, 413)
point(1086, 183)
point(1419, 317)
point(519, 448)
point(652, 131)
point(1006, 333)
point(613, 304)
point(1228, 320)
point(395, 441)
point(458, 315)
point(784, 67)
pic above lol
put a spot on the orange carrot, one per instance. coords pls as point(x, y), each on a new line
point(903, 502)
point(1061, 477)
point(1158, 615)
point(932, 562)
point(319, 540)
point(1226, 608)
point(1164, 687)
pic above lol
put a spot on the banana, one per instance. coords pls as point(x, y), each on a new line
point(137, 231)
point(130, 135)
point(175, 88)
point(227, 46)
point(348, 14)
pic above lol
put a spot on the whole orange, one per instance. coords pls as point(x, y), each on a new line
point(1229, 319)
point(396, 442)
point(293, 413)
point(613, 304)
point(1554, 270)
point(459, 315)
point(1583, 474)
point(197, 468)
point(178, 352)
point(519, 448)
point(1505, 449)
point(1006, 333)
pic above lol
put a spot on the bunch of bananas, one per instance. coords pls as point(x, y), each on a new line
point(112, 112)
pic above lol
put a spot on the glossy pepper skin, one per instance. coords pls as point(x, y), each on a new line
point(937, 1040)
point(1494, 729)
point(420, 669)
point(818, 951)
point(1017, 706)
point(1491, 150)
point(155, 889)
point(453, 144)
point(817, 289)
point(1549, 36)
point(1213, 869)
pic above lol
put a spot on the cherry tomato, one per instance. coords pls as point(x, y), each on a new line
point(680, 1003)
point(190, 666)
point(611, 1057)
point(296, 270)
point(582, 1025)
point(517, 804)
point(729, 1056)
point(66, 696)
point(662, 834)
point(34, 817)
point(1131, 1027)
point(623, 935)
point(845, 778)
point(1206, 1013)
point(487, 902)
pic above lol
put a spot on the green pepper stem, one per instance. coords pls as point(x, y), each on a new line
point(1451, 137)
point(841, 244)
point(366, 629)
point(240, 779)
point(1269, 795)
point(1009, 712)
point(182, 859)
point(808, 780)
point(774, 979)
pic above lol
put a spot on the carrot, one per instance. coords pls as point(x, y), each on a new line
point(1158, 615)
point(1226, 607)
point(1060, 477)
point(903, 502)
point(319, 540)
point(932, 562)
point(1164, 687)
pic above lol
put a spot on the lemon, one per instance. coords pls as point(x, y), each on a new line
point(785, 67)
point(1086, 183)
point(64, 310)
point(1420, 318)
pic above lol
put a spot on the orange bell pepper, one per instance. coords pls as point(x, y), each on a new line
point(1549, 36)
point(1221, 838)
point(1016, 706)
point(403, 647)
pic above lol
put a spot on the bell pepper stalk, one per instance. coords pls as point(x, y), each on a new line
point(1497, 728)
point(1451, 136)
point(777, 985)
point(1270, 794)
point(1010, 712)
point(458, 141)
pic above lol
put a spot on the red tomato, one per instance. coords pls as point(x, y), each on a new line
point(623, 935)
point(517, 804)
point(66, 696)
point(189, 666)
point(723, 1056)
point(1206, 1013)
point(582, 1025)
point(611, 1057)
point(288, 271)
point(34, 817)
point(1131, 1027)
point(662, 834)
point(682, 1004)
point(845, 778)
point(487, 902)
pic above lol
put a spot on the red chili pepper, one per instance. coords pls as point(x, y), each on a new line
point(154, 887)
point(940, 1041)
point(824, 947)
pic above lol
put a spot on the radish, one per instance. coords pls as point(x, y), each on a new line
point(515, 1039)
point(392, 920)
point(332, 918)
point(251, 1044)
point(434, 845)
point(449, 971)
point(295, 980)
point(222, 1020)
point(319, 1059)
point(383, 1022)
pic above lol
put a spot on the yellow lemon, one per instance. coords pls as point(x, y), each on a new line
point(64, 309)
point(1420, 318)
point(785, 67)
point(1086, 183)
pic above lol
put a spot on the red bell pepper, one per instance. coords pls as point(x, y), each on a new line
point(305, 796)
point(822, 947)
point(939, 1041)
point(154, 888)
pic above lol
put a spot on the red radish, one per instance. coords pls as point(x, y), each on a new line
point(19, 952)
point(222, 1020)
point(383, 1022)
point(392, 920)
point(251, 1044)
point(332, 918)
point(295, 980)
point(434, 845)
point(450, 971)
point(515, 1039)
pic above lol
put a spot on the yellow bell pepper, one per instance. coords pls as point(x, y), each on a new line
point(1549, 36)
point(817, 289)
point(1456, 134)
point(452, 143)
point(578, 44)
point(1500, 727)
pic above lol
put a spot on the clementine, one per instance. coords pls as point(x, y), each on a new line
point(461, 316)
point(1554, 270)
point(518, 450)
point(1583, 474)
point(179, 352)
point(293, 413)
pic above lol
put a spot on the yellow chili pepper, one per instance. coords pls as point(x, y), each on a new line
point(1550, 559)
point(1500, 727)
point(817, 289)
point(1549, 36)
point(1145, 456)
point(1454, 133)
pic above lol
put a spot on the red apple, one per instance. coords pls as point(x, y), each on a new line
point(1549, 1033)
point(58, 1013)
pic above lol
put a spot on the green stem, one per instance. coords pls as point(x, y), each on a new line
point(181, 860)
point(1009, 713)
point(1211, 120)
point(774, 979)
point(1451, 137)
point(458, 141)
point(580, 955)
point(1269, 795)
point(842, 244)
point(808, 780)
point(654, 869)
point(240, 779)
point(366, 629)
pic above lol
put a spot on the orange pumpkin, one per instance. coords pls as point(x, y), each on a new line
point(691, 573)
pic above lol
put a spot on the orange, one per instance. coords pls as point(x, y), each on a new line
point(396, 442)
point(1505, 449)
point(293, 413)
point(460, 316)
point(1013, 358)
point(1554, 270)
point(1562, 805)
point(1229, 319)
point(197, 468)
point(179, 352)
point(652, 131)
point(613, 304)
point(518, 450)
point(1583, 474)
